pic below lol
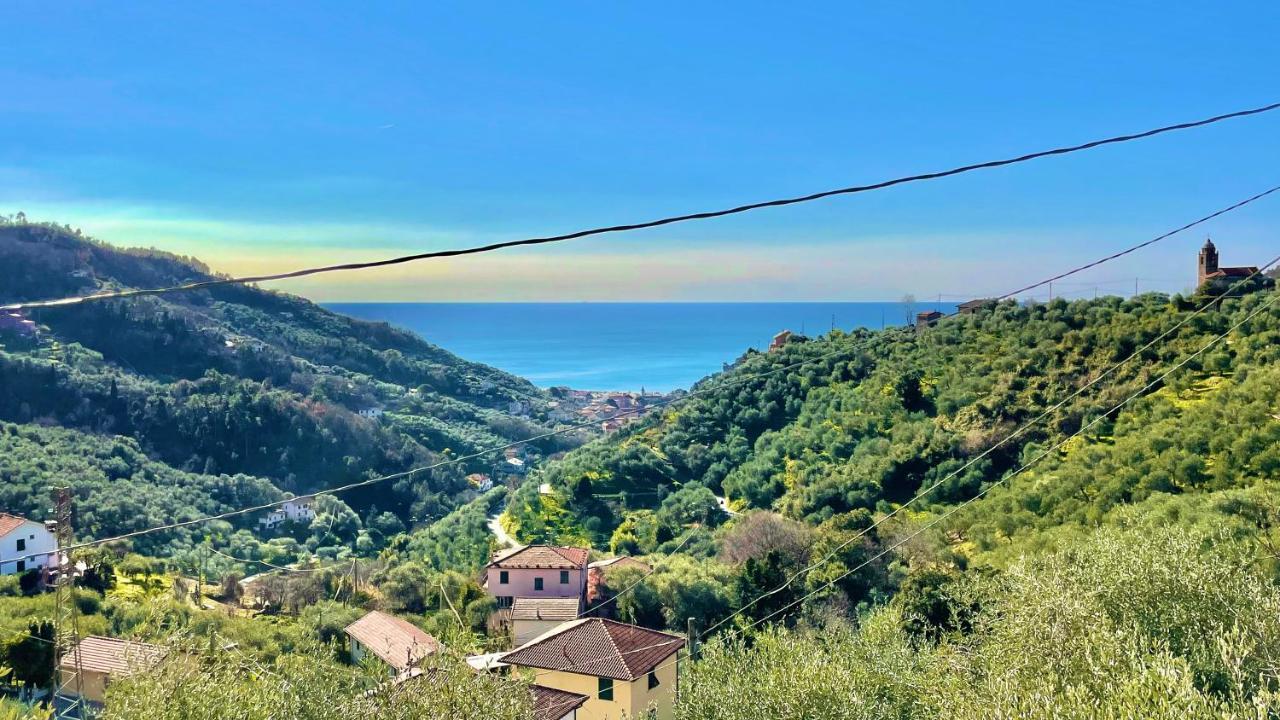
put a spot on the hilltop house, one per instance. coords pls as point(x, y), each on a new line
point(398, 643)
point(103, 660)
point(927, 318)
point(20, 539)
point(779, 340)
point(296, 510)
point(970, 307)
point(537, 571)
point(623, 670)
point(1207, 268)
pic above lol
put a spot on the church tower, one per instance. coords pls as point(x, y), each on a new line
point(1208, 261)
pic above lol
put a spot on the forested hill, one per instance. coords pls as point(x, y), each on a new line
point(866, 420)
point(233, 392)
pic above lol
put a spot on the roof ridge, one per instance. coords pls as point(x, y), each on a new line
point(617, 650)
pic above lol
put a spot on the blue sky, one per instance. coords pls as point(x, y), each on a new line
point(265, 136)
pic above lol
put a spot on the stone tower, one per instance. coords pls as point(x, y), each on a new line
point(1208, 261)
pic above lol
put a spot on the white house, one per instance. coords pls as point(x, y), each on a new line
point(396, 642)
point(371, 412)
point(24, 545)
point(296, 510)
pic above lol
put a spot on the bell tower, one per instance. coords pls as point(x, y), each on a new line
point(1208, 261)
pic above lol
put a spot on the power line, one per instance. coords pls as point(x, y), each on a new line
point(652, 569)
point(279, 568)
point(646, 224)
point(1141, 245)
point(559, 431)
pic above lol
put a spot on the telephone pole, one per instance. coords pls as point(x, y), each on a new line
point(65, 618)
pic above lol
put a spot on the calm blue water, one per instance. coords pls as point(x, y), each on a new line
point(619, 346)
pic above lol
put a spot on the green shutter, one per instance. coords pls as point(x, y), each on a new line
point(605, 689)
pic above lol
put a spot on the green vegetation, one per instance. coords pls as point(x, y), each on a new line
point(216, 685)
point(1133, 622)
point(164, 408)
point(1106, 562)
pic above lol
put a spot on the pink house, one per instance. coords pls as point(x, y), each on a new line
point(537, 571)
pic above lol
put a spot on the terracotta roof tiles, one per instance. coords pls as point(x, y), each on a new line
point(9, 523)
point(113, 656)
point(525, 608)
point(541, 557)
point(594, 646)
point(552, 704)
point(397, 642)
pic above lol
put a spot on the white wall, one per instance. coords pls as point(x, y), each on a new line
point(37, 539)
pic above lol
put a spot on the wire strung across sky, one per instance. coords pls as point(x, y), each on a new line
point(671, 220)
point(710, 387)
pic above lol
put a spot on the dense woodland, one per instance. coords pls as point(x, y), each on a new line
point(1117, 558)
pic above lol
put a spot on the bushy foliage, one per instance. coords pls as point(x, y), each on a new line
point(195, 684)
point(1134, 622)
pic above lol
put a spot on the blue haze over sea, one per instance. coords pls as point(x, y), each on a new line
point(620, 346)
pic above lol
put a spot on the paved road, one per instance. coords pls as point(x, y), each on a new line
point(724, 505)
point(495, 527)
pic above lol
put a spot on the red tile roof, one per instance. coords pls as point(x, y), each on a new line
point(9, 523)
point(541, 557)
point(1233, 272)
point(114, 657)
point(545, 608)
point(552, 704)
point(593, 646)
point(398, 642)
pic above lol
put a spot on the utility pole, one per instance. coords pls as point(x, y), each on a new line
point(66, 619)
point(693, 638)
point(1135, 287)
point(204, 569)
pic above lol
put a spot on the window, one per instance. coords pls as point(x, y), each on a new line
point(22, 566)
point(564, 577)
point(653, 679)
point(504, 601)
point(605, 689)
point(537, 583)
point(503, 577)
point(22, 544)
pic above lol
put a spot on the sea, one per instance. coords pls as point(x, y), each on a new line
point(622, 346)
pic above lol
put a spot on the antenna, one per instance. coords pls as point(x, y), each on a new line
point(66, 621)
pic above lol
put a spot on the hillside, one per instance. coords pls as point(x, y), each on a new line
point(232, 387)
point(866, 420)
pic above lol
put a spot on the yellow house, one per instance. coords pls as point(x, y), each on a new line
point(623, 670)
point(102, 660)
